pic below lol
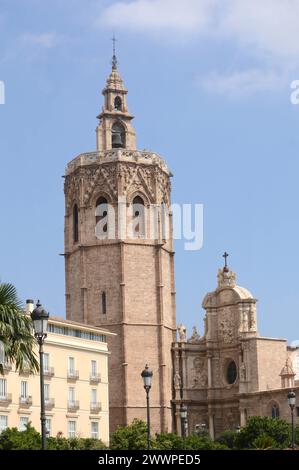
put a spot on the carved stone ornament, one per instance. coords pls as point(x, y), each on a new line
point(195, 338)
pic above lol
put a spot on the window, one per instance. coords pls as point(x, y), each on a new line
point(118, 135)
point(275, 411)
point(24, 390)
point(72, 429)
point(101, 217)
point(47, 393)
point(72, 396)
point(231, 372)
point(3, 388)
point(104, 304)
point(48, 427)
point(3, 423)
point(71, 365)
point(138, 217)
point(94, 430)
point(93, 396)
point(75, 223)
point(117, 103)
point(93, 368)
point(23, 423)
point(46, 362)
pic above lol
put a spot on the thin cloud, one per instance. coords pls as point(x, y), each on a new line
point(240, 83)
point(42, 40)
point(164, 16)
point(269, 27)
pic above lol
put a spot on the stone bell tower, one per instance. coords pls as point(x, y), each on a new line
point(119, 259)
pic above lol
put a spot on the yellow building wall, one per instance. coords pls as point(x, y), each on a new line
point(60, 347)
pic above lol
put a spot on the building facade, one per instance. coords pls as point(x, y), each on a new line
point(231, 372)
point(76, 384)
point(118, 260)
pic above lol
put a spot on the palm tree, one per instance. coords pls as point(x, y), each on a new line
point(16, 331)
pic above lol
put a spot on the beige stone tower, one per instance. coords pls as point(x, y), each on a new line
point(119, 260)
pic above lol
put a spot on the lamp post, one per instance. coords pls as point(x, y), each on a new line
point(40, 318)
point(292, 403)
point(183, 411)
point(147, 374)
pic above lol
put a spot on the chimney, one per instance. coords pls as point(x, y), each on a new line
point(29, 306)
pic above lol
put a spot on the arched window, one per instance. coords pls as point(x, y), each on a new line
point(75, 223)
point(101, 216)
point(275, 411)
point(138, 217)
point(231, 372)
point(118, 135)
point(117, 103)
point(2, 354)
point(104, 303)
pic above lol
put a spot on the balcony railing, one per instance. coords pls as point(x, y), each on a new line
point(49, 372)
point(73, 374)
point(7, 366)
point(72, 405)
point(5, 399)
point(25, 371)
point(25, 401)
point(95, 378)
point(49, 403)
point(95, 407)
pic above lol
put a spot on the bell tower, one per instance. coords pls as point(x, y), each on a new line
point(119, 260)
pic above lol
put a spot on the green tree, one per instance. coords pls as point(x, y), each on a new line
point(201, 442)
point(13, 439)
point(168, 441)
point(258, 426)
point(228, 439)
point(132, 437)
point(264, 442)
point(15, 331)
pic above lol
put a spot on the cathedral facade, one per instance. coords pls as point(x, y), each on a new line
point(231, 372)
point(119, 268)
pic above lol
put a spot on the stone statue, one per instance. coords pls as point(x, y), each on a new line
point(177, 380)
point(182, 333)
point(195, 338)
point(242, 372)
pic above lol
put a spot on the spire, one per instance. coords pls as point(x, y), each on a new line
point(114, 59)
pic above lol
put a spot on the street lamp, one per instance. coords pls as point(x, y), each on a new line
point(292, 403)
point(147, 374)
point(183, 411)
point(40, 318)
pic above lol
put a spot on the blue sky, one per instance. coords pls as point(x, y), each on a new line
point(209, 84)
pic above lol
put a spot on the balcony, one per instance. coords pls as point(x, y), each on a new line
point(95, 378)
point(95, 407)
point(72, 406)
point(7, 366)
point(25, 371)
point(49, 372)
point(72, 374)
point(49, 403)
point(5, 399)
point(25, 402)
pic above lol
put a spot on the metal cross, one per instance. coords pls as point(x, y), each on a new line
point(114, 59)
point(114, 41)
point(225, 256)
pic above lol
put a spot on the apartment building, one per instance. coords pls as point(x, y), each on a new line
point(76, 384)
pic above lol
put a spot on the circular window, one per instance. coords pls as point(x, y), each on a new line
point(231, 372)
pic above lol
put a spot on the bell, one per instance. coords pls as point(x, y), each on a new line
point(116, 141)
